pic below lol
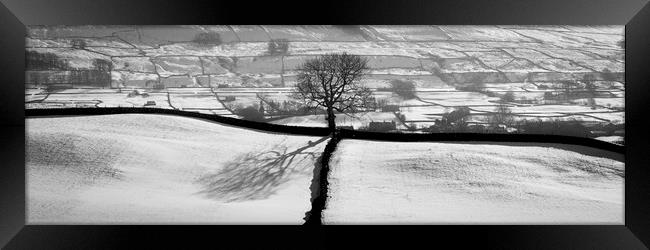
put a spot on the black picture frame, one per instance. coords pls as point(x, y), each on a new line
point(16, 14)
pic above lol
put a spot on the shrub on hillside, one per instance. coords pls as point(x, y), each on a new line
point(403, 88)
point(251, 113)
point(473, 87)
point(508, 97)
point(351, 29)
point(459, 115)
point(207, 38)
point(608, 75)
point(78, 44)
point(278, 47)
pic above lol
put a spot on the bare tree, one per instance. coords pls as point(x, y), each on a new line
point(457, 118)
point(508, 97)
point(590, 86)
point(569, 86)
point(332, 82)
point(501, 116)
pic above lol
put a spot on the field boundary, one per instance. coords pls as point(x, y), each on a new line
point(267, 127)
point(320, 183)
point(481, 137)
point(342, 133)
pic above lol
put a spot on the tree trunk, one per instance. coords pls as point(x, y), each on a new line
point(330, 119)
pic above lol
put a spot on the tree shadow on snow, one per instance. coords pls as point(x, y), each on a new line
point(255, 176)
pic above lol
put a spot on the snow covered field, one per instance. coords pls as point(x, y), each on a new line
point(136, 168)
point(196, 101)
point(452, 99)
point(473, 183)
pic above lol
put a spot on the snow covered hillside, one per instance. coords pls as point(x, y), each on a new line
point(442, 56)
point(473, 183)
point(544, 70)
point(136, 168)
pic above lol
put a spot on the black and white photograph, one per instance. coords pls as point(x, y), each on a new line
point(283, 124)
